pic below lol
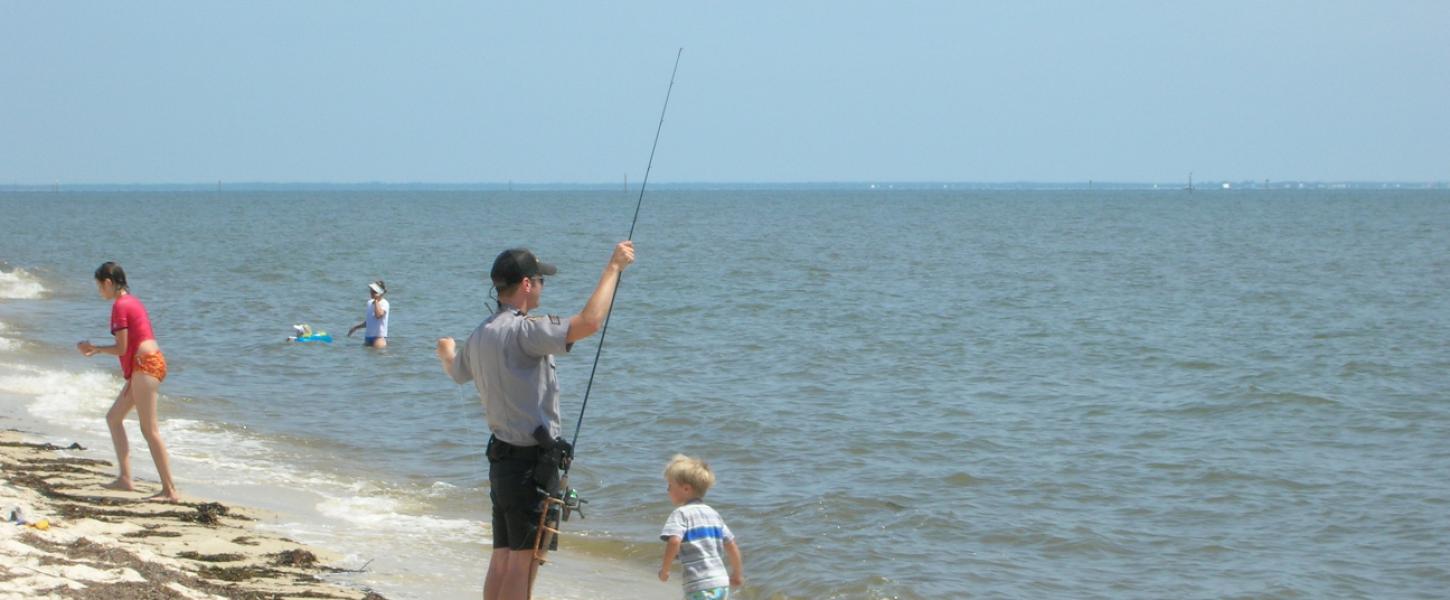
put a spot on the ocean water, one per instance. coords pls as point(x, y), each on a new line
point(904, 394)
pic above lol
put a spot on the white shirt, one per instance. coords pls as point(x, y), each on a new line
point(377, 327)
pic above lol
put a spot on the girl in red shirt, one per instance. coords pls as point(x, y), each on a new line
point(143, 367)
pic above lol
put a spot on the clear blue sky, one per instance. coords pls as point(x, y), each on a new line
point(776, 91)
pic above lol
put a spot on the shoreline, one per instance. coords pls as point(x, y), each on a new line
point(400, 557)
point(84, 541)
point(378, 538)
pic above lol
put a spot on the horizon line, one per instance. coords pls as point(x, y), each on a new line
point(263, 185)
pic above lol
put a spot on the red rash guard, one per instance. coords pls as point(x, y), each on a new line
point(128, 313)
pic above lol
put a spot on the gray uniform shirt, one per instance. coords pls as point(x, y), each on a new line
point(509, 358)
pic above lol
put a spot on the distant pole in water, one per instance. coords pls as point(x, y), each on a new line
point(1190, 182)
point(626, 183)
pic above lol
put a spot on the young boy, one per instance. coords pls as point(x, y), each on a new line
point(698, 534)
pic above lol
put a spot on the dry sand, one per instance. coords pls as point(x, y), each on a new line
point(116, 545)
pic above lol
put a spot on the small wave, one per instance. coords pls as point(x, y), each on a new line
point(962, 480)
point(75, 399)
point(1353, 368)
point(440, 489)
point(1293, 398)
point(390, 514)
point(19, 284)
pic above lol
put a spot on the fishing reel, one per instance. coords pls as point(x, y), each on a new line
point(558, 506)
point(570, 502)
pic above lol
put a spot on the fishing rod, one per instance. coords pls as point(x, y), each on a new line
point(561, 503)
point(574, 443)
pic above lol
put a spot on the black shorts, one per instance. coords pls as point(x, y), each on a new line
point(515, 492)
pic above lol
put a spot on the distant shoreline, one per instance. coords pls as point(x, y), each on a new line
point(633, 187)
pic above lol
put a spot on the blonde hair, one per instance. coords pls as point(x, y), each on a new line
point(690, 471)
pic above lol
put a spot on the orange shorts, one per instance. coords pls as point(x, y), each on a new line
point(153, 364)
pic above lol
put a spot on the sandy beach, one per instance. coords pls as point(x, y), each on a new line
point(79, 540)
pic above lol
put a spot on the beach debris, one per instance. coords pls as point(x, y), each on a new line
point(294, 558)
point(208, 513)
point(249, 572)
point(362, 569)
point(105, 563)
point(151, 531)
point(17, 516)
point(230, 573)
point(223, 557)
point(37, 481)
point(45, 446)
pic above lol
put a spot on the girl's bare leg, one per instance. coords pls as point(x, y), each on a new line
point(143, 395)
point(115, 419)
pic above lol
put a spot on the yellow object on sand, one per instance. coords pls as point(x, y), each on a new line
point(42, 524)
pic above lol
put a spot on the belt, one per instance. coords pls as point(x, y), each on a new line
point(500, 450)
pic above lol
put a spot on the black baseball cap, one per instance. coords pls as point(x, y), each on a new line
point(514, 264)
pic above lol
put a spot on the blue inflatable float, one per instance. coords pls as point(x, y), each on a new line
point(306, 334)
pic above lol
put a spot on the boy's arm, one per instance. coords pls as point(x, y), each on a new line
point(672, 548)
point(737, 567)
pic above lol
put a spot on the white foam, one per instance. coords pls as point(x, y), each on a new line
point(7, 344)
point(233, 458)
point(392, 515)
point(20, 285)
point(440, 488)
point(71, 399)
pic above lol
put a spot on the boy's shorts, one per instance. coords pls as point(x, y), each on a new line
point(719, 593)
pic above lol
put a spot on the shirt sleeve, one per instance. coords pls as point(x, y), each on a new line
point(120, 317)
point(459, 371)
point(383, 302)
point(674, 526)
point(542, 336)
point(726, 533)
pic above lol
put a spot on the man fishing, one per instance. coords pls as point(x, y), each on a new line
point(510, 360)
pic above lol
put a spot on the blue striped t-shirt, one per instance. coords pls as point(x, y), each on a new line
point(702, 536)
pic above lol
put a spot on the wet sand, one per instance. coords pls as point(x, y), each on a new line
point(84, 541)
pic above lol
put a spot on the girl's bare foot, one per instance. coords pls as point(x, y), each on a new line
point(164, 496)
point(120, 485)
